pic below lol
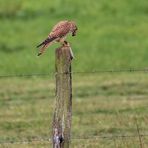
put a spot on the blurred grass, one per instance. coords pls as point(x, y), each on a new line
point(108, 104)
point(113, 34)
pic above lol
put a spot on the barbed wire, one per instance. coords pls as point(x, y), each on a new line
point(41, 139)
point(25, 75)
point(145, 70)
point(46, 139)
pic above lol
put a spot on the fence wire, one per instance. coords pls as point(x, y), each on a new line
point(129, 70)
point(49, 140)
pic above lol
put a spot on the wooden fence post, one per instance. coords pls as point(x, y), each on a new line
point(61, 126)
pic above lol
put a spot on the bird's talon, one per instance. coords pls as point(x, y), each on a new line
point(65, 42)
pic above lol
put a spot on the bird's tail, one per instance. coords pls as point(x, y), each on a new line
point(44, 45)
point(42, 49)
point(48, 40)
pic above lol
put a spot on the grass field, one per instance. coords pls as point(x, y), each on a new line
point(108, 105)
point(112, 35)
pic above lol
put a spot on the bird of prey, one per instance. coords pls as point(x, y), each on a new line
point(58, 34)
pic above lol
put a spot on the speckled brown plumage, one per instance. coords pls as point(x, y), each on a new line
point(58, 34)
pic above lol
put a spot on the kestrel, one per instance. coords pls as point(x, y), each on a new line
point(58, 34)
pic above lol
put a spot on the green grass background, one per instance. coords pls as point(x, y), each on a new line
point(112, 35)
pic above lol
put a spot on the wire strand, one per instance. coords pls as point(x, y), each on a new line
point(45, 139)
point(145, 70)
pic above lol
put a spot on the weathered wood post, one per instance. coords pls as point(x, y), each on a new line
point(61, 126)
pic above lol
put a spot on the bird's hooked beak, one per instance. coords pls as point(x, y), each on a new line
point(74, 32)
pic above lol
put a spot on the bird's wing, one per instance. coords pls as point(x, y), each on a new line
point(57, 31)
point(59, 25)
point(46, 41)
point(60, 29)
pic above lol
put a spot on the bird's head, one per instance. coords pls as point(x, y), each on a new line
point(73, 28)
